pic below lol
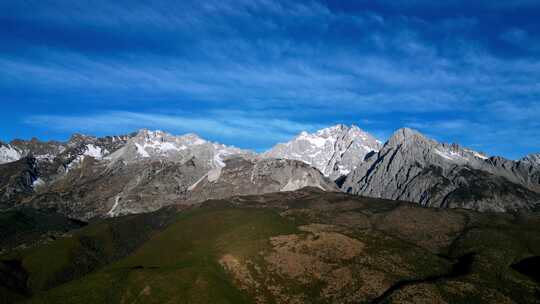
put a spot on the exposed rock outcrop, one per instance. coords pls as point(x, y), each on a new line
point(414, 168)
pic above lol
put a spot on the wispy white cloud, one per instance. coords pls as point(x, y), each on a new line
point(312, 60)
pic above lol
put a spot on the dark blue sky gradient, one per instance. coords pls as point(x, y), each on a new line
point(255, 72)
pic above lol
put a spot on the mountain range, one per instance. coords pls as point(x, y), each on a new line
point(334, 216)
point(90, 177)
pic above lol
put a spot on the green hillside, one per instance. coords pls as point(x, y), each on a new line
point(296, 247)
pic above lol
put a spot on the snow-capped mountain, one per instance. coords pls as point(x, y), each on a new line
point(17, 149)
point(8, 153)
point(89, 177)
point(160, 145)
point(145, 171)
point(335, 151)
point(532, 158)
point(67, 153)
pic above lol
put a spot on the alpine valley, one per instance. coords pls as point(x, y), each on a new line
point(334, 216)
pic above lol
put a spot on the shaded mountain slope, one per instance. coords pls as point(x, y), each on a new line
point(75, 253)
point(17, 181)
point(27, 226)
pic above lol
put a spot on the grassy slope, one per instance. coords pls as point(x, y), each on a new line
point(81, 251)
point(180, 264)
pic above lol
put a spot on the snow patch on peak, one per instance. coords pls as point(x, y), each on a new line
point(328, 149)
point(482, 156)
point(315, 140)
point(449, 154)
point(160, 145)
point(95, 151)
point(456, 153)
point(477, 154)
point(532, 158)
point(9, 154)
point(150, 133)
point(141, 151)
point(344, 171)
point(331, 130)
point(192, 139)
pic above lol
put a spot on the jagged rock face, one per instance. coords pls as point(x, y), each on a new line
point(241, 176)
point(520, 172)
point(8, 153)
point(532, 158)
point(160, 145)
point(17, 180)
point(54, 159)
point(17, 149)
point(335, 151)
point(76, 150)
point(414, 168)
point(102, 189)
point(90, 177)
point(97, 147)
point(107, 177)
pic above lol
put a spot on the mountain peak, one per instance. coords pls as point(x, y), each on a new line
point(78, 138)
point(160, 145)
point(8, 153)
point(408, 132)
point(193, 139)
point(532, 158)
point(151, 133)
point(406, 135)
point(337, 129)
point(166, 137)
point(335, 150)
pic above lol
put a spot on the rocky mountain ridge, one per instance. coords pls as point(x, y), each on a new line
point(89, 177)
point(335, 151)
point(532, 158)
point(105, 177)
point(415, 168)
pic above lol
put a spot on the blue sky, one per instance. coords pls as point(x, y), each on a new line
point(255, 72)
